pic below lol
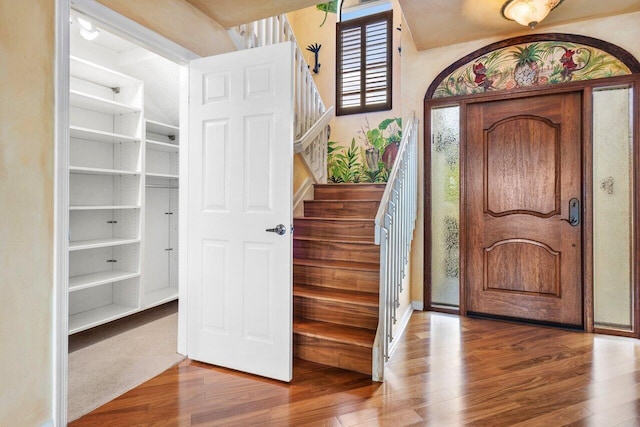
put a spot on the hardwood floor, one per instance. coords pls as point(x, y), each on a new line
point(446, 371)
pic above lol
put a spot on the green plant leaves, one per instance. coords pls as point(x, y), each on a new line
point(344, 167)
point(331, 6)
point(349, 164)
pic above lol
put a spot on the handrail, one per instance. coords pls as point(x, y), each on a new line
point(394, 226)
point(301, 144)
point(393, 176)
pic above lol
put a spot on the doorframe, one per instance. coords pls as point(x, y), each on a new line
point(144, 37)
point(61, 215)
point(586, 88)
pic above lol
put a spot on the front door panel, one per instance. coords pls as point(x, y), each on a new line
point(523, 180)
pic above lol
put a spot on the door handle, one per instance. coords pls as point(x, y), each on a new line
point(574, 213)
point(279, 229)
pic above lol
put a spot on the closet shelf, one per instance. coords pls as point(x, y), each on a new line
point(99, 171)
point(90, 318)
point(162, 175)
point(162, 146)
point(95, 103)
point(112, 215)
point(98, 74)
point(98, 207)
point(85, 281)
point(99, 243)
point(160, 297)
point(100, 136)
point(161, 128)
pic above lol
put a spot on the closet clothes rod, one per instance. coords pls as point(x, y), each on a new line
point(175, 187)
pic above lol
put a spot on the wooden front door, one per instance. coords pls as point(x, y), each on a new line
point(523, 207)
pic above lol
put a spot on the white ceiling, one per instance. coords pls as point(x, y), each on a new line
point(161, 77)
point(230, 13)
point(432, 23)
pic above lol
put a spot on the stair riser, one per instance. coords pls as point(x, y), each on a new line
point(343, 192)
point(345, 356)
point(336, 312)
point(334, 229)
point(361, 252)
point(348, 280)
point(346, 209)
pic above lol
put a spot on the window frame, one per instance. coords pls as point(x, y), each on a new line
point(361, 23)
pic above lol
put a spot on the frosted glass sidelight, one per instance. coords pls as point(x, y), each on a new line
point(445, 207)
point(612, 208)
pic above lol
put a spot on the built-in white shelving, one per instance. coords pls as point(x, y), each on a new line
point(96, 279)
point(162, 146)
point(88, 319)
point(98, 207)
point(161, 296)
point(159, 128)
point(100, 105)
point(86, 70)
point(162, 175)
point(105, 194)
point(99, 243)
point(123, 225)
point(161, 214)
point(100, 136)
point(100, 171)
point(123, 183)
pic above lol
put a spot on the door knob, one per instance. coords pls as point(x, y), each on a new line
point(279, 229)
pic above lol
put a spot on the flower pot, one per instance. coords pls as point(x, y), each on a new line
point(372, 157)
point(389, 156)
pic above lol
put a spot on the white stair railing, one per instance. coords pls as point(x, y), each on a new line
point(394, 225)
point(311, 122)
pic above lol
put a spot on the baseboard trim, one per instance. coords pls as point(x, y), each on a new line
point(305, 192)
point(417, 305)
point(400, 328)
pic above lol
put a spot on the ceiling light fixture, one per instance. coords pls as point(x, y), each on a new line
point(87, 30)
point(528, 12)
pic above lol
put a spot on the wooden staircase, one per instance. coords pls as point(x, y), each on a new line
point(336, 276)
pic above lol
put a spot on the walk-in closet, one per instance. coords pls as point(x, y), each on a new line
point(123, 192)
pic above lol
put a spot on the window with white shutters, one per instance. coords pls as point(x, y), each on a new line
point(363, 64)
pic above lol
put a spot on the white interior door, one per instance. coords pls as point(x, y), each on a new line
point(239, 290)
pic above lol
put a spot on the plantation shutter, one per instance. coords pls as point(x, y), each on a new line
point(363, 65)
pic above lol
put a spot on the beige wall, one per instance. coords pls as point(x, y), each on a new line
point(178, 21)
point(26, 186)
point(420, 68)
point(306, 27)
point(26, 196)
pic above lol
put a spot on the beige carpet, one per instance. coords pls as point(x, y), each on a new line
point(107, 361)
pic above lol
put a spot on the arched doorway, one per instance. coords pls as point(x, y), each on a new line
point(521, 139)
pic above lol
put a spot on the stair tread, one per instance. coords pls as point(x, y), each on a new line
point(349, 184)
point(346, 265)
point(320, 218)
point(333, 332)
point(343, 201)
point(341, 239)
point(335, 295)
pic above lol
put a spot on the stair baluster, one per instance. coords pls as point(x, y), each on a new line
point(311, 116)
point(394, 226)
